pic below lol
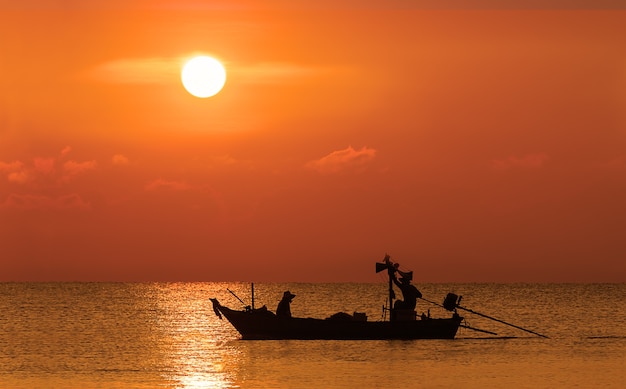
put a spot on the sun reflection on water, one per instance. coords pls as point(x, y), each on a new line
point(196, 356)
point(204, 382)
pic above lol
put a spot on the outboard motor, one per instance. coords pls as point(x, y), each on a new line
point(450, 302)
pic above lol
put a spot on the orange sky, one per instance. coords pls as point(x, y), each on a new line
point(471, 144)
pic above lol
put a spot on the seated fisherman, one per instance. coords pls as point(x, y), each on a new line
point(284, 309)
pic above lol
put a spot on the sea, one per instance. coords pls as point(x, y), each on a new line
point(166, 335)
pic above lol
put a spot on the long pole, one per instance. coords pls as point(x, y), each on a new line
point(501, 321)
point(477, 329)
point(389, 272)
point(462, 325)
point(432, 302)
point(252, 292)
point(489, 317)
point(237, 297)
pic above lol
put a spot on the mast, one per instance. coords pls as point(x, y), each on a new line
point(252, 292)
point(391, 269)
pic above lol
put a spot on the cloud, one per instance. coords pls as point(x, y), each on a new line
point(223, 160)
point(43, 169)
point(43, 180)
point(138, 71)
point(169, 185)
point(20, 177)
point(347, 158)
point(15, 171)
point(12, 169)
point(120, 160)
point(118, 5)
point(166, 70)
point(44, 165)
point(42, 202)
point(73, 168)
point(273, 72)
point(11, 166)
point(529, 161)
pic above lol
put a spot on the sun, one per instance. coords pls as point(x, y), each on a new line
point(203, 76)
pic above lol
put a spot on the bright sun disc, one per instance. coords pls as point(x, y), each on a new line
point(203, 76)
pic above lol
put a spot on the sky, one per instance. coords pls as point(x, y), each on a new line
point(475, 141)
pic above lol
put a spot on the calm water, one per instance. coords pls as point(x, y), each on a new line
point(95, 335)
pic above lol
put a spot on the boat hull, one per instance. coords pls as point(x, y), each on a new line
point(265, 325)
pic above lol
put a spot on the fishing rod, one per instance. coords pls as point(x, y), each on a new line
point(237, 297)
point(432, 302)
point(477, 329)
point(503, 322)
point(248, 307)
point(452, 301)
point(461, 325)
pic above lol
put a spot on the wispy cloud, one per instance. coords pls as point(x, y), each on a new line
point(44, 165)
point(273, 72)
point(166, 70)
point(160, 183)
point(15, 171)
point(529, 161)
point(42, 202)
point(317, 4)
point(40, 181)
point(44, 169)
point(19, 177)
point(12, 169)
point(120, 160)
point(73, 168)
point(11, 166)
point(138, 71)
point(339, 160)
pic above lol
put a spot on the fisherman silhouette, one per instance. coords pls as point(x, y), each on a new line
point(410, 294)
point(284, 309)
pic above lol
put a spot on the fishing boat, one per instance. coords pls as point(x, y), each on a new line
point(402, 323)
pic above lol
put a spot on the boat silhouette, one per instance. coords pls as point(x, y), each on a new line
point(402, 322)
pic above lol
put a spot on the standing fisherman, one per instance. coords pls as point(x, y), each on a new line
point(410, 294)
